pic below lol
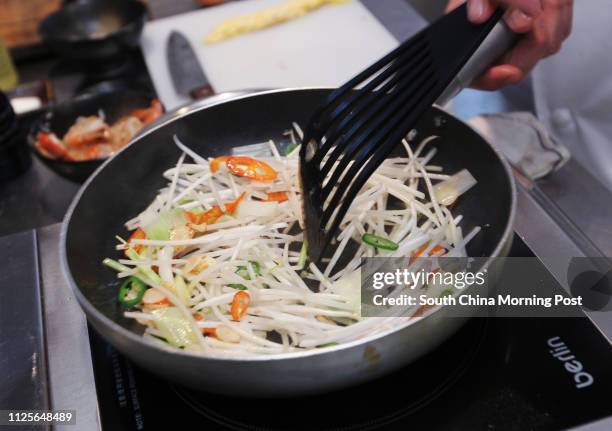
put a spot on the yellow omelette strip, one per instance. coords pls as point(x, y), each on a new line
point(289, 10)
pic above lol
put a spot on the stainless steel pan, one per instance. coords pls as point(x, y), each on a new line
point(125, 184)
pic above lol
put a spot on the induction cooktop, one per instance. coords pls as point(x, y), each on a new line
point(494, 374)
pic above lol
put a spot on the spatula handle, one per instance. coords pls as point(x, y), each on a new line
point(499, 41)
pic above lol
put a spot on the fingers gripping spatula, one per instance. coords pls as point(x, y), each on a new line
point(360, 123)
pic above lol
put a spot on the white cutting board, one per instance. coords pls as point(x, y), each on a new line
point(324, 48)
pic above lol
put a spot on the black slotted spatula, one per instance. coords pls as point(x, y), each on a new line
point(360, 123)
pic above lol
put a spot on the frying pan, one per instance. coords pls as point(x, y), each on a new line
point(94, 30)
point(128, 182)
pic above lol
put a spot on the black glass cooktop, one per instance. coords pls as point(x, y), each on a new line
point(494, 374)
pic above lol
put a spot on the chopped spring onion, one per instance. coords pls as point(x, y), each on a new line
point(237, 286)
point(291, 148)
point(113, 264)
point(303, 255)
point(379, 242)
point(243, 271)
point(144, 269)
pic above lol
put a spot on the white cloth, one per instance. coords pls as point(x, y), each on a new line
point(573, 89)
point(524, 141)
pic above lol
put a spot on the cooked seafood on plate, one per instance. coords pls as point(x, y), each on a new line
point(92, 138)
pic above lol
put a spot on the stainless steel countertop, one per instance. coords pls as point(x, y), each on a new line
point(70, 370)
point(23, 380)
point(573, 189)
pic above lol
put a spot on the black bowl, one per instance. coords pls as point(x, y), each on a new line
point(94, 30)
point(115, 103)
point(14, 155)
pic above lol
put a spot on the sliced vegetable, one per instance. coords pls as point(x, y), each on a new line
point(161, 228)
point(137, 234)
point(193, 348)
point(165, 266)
point(154, 297)
point(243, 271)
point(217, 162)
point(111, 263)
point(225, 218)
point(232, 206)
point(251, 208)
point(253, 169)
point(215, 213)
point(303, 255)
point(419, 251)
point(240, 304)
point(181, 288)
point(332, 344)
point(279, 197)
point(215, 282)
point(349, 287)
point(144, 269)
point(210, 216)
point(435, 251)
point(131, 292)
point(227, 334)
point(291, 148)
point(379, 242)
point(193, 217)
point(325, 319)
point(196, 264)
point(175, 328)
point(447, 191)
point(181, 233)
point(210, 332)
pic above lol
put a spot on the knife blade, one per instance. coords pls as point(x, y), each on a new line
point(186, 72)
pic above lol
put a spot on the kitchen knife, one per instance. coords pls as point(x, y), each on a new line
point(186, 72)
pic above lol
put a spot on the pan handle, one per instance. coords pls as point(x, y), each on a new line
point(499, 41)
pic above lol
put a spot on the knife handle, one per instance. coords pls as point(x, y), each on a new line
point(201, 92)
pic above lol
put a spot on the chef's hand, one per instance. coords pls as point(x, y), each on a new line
point(545, 24)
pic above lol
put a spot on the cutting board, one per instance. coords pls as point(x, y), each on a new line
point(324, 48)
